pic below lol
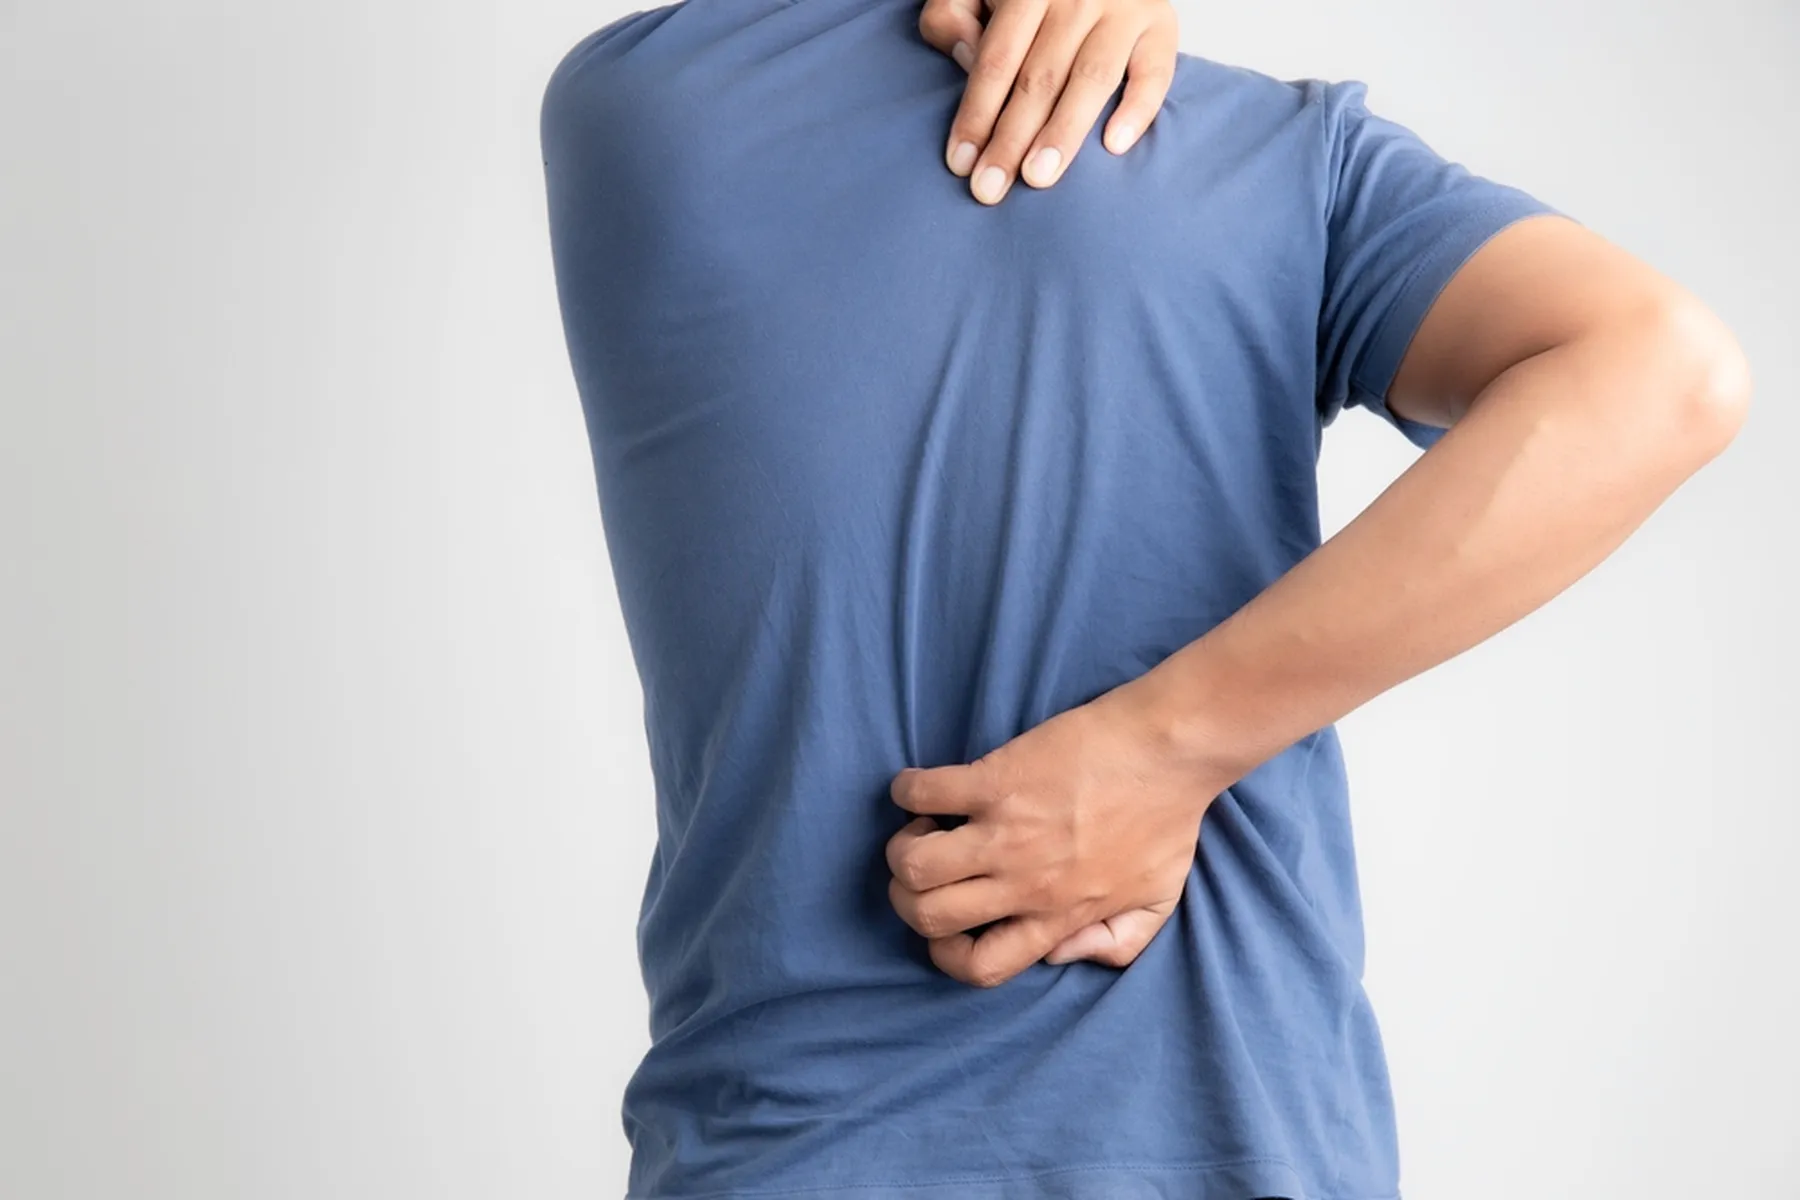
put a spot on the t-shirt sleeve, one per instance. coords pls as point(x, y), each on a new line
point(1400, 221)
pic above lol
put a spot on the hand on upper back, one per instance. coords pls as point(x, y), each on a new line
point(1079, 838)
point(1039, 75)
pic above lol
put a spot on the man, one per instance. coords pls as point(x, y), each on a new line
point(970, 560)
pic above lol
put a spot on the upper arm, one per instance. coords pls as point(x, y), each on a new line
point(1400, 221)
point(1536, 285)
point(1437, 280)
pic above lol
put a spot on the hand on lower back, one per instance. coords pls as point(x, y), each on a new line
point(1079, 838)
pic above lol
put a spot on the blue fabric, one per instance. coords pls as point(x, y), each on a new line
point(888, 477)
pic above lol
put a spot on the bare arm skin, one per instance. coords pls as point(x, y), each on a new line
point(1580, 388)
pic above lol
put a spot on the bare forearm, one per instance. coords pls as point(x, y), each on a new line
point(1556, 462)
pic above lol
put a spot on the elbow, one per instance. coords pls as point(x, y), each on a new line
point(1723, 402)
point(1711, 397)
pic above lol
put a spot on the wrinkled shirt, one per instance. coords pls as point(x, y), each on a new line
point(887, 477)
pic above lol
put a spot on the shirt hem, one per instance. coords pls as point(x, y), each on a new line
point(1236, 1179)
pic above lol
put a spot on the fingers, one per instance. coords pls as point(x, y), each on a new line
point(1042, 73)
point(922, 856)
point(1148, 75)
point(1094, 77)
point(952, 790)
point(946, 24)
point(1042, 78)
point(998, 57)
point(998, 954)
point(1016, 942)
point(943, 911)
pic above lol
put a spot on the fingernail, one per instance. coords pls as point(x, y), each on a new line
point(965, 57)
point(1118, 138)
point(1043, 165)
point(990, 184)
point(962, 158)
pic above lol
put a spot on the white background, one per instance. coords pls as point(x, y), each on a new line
point(326, 808)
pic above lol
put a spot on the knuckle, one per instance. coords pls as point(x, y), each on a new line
point(1008, 798)
point(1153, 71)
point(1016, 845)
point(947, 961)
point(911, 874)
point(932, 921)
point(1037, 79)
point(986, 975)
point(992, 69)
point(1119, 956)
point(999, 809)
point(1092, 69)
point(1036, 889)
point(990, 837)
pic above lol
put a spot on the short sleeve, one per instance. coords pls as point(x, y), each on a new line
point(1400, 221)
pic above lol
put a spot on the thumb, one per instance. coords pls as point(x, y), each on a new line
point(1116, 941)
point(944, 23)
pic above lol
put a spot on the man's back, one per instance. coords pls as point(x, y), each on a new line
point(888, 477)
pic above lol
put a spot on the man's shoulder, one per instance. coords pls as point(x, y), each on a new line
point(612, 39)
point(1245, 92)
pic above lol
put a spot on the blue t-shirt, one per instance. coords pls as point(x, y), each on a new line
point(887, 477)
